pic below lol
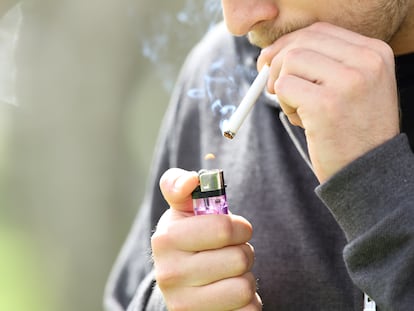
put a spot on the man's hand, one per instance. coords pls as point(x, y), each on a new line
point(340, 87)
point(201, 262)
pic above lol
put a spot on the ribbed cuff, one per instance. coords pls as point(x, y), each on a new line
point(367, 190)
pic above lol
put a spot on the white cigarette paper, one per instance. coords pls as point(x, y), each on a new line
point(231, 127)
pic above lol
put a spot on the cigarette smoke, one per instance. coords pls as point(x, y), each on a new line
point(168, 35)
point(9, 31)
point(224, 78)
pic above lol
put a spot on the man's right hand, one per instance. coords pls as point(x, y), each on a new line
point(201, 262)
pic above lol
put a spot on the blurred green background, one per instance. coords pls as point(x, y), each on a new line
point(91, 85)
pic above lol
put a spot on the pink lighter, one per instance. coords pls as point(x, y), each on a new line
point(210, 196)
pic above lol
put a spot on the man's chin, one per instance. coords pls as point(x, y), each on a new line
point(258, 40)
point(266, 34)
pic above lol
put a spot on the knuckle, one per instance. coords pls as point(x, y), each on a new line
point(388, 52)
point(382, 47)
point(177, 304)
point(375, 61)
point(332, 105)
point(225, 231)
point(293, 54)
point(159, 241)
point(242, 261)
point(267, 54)
point(167, 275)
point(247, 289)
point(356, 79)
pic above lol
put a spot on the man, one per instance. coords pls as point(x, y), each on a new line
point(332, 68)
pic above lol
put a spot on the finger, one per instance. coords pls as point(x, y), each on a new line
point(292, 94)
point(310, 65)
point(203, 268)
point(333, 42)
point(357, 39)
point(213, 265)
point(290, 113)
point(347, 35)
point(255, 305)
point(176, 186)
point(228, 294)
point(317, 35)
point(232, 293)
point(194, 234)
point(325, 48)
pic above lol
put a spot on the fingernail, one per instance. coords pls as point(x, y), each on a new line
point(180, 181)
point(264, 50)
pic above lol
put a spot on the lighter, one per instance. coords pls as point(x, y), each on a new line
point(210, 196)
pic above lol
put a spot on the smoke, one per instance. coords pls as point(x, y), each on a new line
point(167, 41)
point(168, 36)
point(221, 77)
point(192, 14)
point(9, 32)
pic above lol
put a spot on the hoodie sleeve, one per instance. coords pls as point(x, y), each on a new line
point(372, 200)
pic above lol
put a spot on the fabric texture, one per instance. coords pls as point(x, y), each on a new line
point(314, 250)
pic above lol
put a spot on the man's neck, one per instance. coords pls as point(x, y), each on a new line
point(403, 40)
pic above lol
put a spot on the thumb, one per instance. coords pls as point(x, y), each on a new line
point(176, 186)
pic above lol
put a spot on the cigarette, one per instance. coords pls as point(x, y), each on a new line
point(231, 127)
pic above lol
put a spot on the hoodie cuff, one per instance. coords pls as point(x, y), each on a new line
point(369, 189)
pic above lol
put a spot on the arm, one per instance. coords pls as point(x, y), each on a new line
point(201, 262)
point(373, 201)
point(132, 283)
point(181, 244)
point(341, 88)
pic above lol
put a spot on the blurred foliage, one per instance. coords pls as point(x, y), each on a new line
point(23, 285)
point(93, 81)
